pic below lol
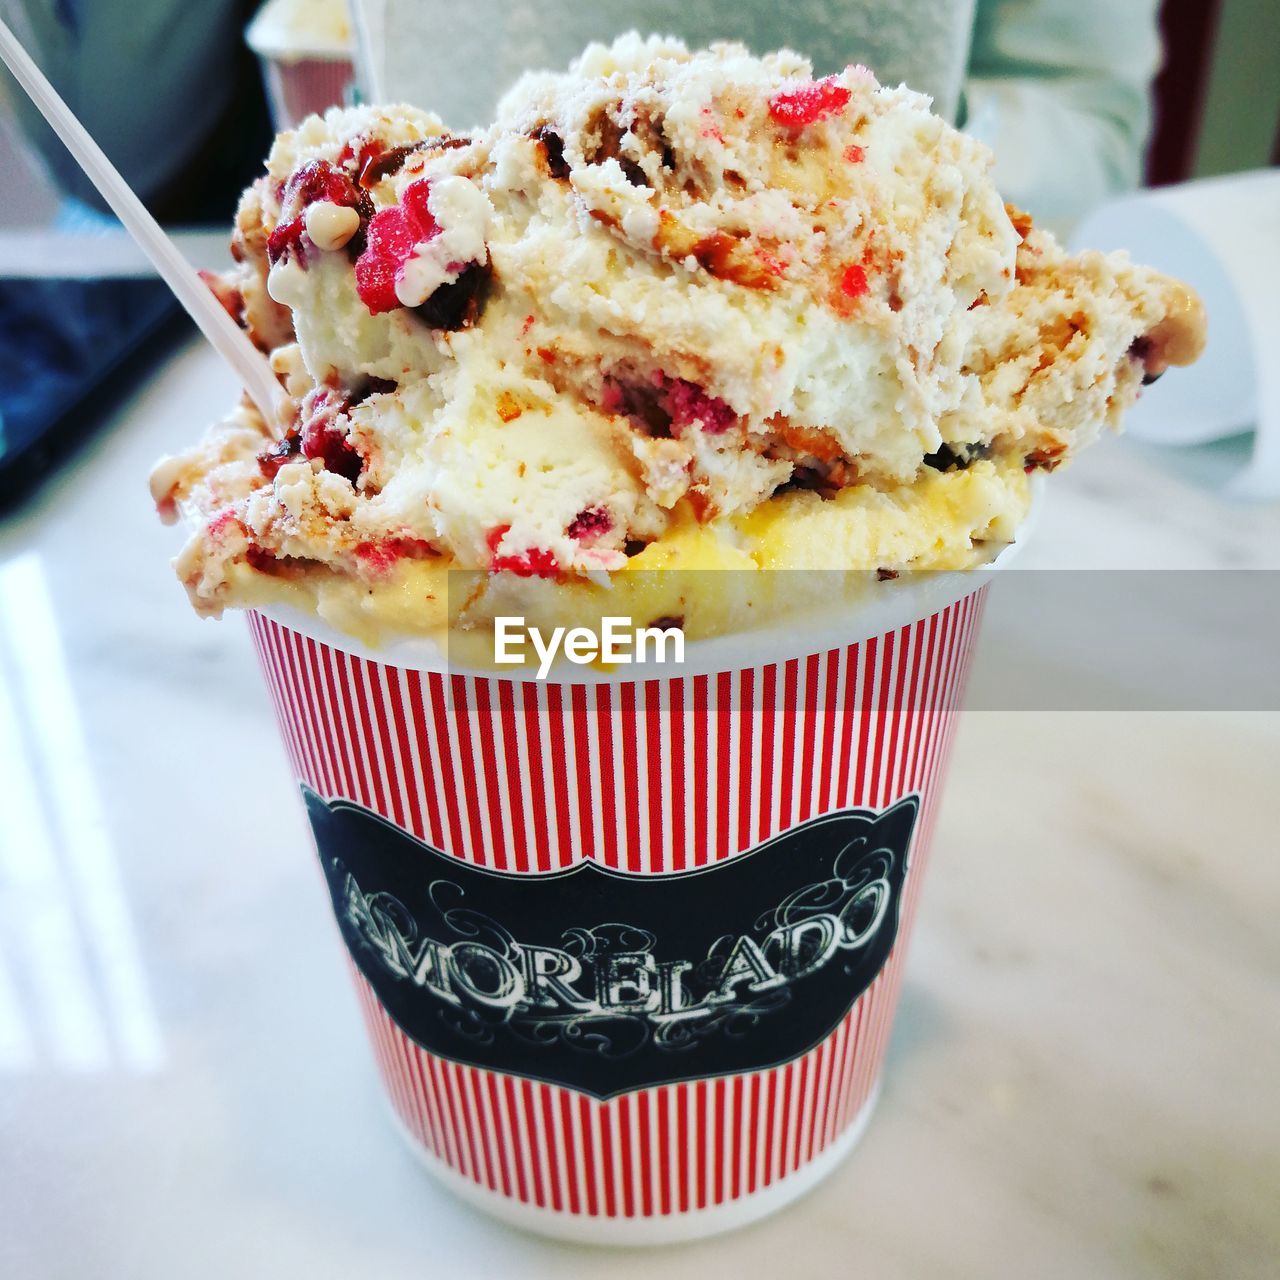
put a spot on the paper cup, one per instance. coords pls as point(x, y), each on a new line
point(299, 87)
point(1219, 235)
point(628, 950)
point(305, 51)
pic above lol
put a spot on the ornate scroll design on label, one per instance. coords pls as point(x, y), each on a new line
point(607, 981)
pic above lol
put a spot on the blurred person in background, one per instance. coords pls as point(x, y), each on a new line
point(1059, 88)
point(166, 87)
point(174, 98)
point(1061, 91)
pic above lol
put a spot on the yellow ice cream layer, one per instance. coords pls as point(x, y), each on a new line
point(800, 553)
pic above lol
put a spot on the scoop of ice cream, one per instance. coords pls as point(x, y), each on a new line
point(665, 290)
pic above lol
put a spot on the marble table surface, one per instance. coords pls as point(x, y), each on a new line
point(1082, 1077)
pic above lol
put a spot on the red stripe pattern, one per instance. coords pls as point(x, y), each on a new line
point(649, 777)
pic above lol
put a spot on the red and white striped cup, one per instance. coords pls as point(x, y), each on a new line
point(306, 60)
point(297, 88)
point(628, 950)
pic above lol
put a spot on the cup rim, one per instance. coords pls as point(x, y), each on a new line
point(903, 601)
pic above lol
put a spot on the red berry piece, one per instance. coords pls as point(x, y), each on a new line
point(687, 403)
point(392, 236)
point(772, 263)
point(329, 443)
point(319, 180)
point(379, 558)
point(853, 283)
point(413, 200)
point(222, 523)
point(536, 562)
point(324, 436)
point(261, 559)
point(854, 154)
point(612, 398)
point(316, 180)
point(229, 296)
point(809, 103)
point(390, 242)
point(594, 522)
point(285, 239)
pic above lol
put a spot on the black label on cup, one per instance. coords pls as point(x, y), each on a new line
point(605, 981)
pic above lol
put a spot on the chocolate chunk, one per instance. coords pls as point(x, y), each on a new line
point(447, 142)
point(944, 459)
point(388, 163)
point(284, 450)
point(1144, 351)
point(644, 403)
point(633, 172)
point(956, 456)
point(458, 305)
point(1048, 457)
point(360, 239)
point(553, 151)
point(804, 479)
point(372, 387)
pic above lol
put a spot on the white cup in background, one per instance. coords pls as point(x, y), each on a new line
point(1222, 236)
point(305, 48)
point(459, 59)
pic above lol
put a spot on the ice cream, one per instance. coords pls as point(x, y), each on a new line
point(671, 310)
point(289, 29)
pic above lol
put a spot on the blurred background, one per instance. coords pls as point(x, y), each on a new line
point(1082, 100)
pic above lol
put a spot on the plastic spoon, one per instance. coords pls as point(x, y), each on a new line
point(224, 335)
